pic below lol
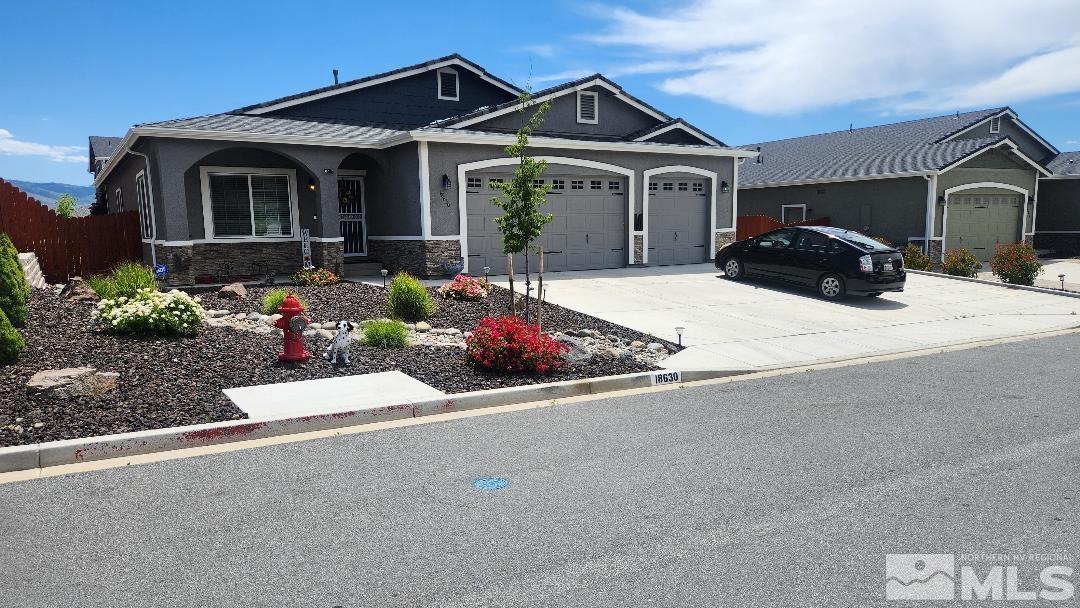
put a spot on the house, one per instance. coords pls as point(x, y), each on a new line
point(970, 180)
point(397, 168)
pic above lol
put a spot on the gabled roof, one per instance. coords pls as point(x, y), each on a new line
point(352, 85)
point(486, 113)
point(1066, 164)
point(905, 148)
point(675, 123)
point(239, 125)
point(102, 148)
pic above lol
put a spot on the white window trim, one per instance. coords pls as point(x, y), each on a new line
point(596, 107)
point(457, 84)
point(207, 209)
point(145, 222)
point(798, 206)
point(994, 119)
point(119, 200)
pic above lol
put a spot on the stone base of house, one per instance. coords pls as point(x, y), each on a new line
point(1060, 244)
point(723, 238)
point(204, 263)
point(639, 246)
point(419, 257)
point(934, 251)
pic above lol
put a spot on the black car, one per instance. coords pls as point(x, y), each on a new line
point(837, 262)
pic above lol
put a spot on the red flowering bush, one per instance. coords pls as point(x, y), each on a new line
point(509, 344)
point(316, 277)
point(961, 263)
point(465, 288)
point(1016, 263)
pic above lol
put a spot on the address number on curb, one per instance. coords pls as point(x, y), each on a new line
point(659, 378)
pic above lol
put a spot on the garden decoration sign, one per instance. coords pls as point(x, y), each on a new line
point(161, 271)
point(305, 247)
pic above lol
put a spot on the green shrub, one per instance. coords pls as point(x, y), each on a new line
point(11, 341)
point(125, 280)
point(14, 292)
point(271, 302)
point(1016, 263)
point(408, 299)
point(151, 312)
point(915, 259)
point(961, 263)
point(385, 334)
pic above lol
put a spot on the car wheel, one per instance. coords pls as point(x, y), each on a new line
point(733, 269)
point(831, 287)
point(874, 294)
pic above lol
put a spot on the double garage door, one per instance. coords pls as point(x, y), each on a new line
point(980, 222)
point(588, 229)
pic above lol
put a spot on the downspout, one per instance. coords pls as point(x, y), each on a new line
point(931, 199)
point(150, 193)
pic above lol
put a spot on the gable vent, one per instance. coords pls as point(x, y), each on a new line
point(995, 124)
point(448, 85)
point(587, 101)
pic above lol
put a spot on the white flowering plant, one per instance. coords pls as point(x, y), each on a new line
point(151, 312)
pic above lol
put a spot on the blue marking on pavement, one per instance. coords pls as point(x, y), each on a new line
point(490, 483)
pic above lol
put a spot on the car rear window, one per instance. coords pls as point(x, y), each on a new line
point(859, 240)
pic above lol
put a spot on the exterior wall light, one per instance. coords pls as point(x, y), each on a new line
point(446, 183)
point(941, 200)
point(311, 184)
point(725, 187)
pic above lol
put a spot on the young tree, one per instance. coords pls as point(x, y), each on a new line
point(522, 197)
point(65, 205)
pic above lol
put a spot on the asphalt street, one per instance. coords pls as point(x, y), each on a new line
point(782, 491)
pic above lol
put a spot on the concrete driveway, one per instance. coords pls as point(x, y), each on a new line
point(757, 325)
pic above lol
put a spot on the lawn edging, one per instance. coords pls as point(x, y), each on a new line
point(1047, 290)
point(71, 451)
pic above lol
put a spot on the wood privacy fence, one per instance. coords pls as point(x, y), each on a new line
point(65, 248)
point(750, 226)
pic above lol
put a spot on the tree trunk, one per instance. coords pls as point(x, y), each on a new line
point(510, 274)
point(527, 283)
point(540, 292)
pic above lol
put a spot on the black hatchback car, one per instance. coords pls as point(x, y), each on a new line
point(837, 262)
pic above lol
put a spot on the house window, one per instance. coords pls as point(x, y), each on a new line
point(698, 187)
point(119, 200)
point(250, 204)
point(995, 124)
point(595, 184)
point(792, 213)
point(537, 183)
point(653, 186)
point(587, 102)
point(448, 84)
point(577, 184)
point(614, 185)
point(143, 194)
point(683, 187)
point(668, 186)
point(474, 183)
point(558, 184)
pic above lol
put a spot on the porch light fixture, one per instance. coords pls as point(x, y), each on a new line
point(384, 272)
point(328, 171)
point(724, 187)
point(941, 200)
point(446, 183)
point(311, 184)
point(679, 331)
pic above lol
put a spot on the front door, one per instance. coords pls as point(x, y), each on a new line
point(351, 210)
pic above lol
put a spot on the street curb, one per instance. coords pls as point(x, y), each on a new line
point(70, 451)
point(1046, 290)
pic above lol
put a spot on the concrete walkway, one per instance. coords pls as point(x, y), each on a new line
point(757, 325)
point(1049, 277)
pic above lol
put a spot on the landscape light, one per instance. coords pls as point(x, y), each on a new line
point(679, 331)
point(384, 272)
point(1061, 277)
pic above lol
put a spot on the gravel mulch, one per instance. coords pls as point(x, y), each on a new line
point(178, 382)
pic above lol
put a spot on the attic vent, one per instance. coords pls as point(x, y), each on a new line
point(448, 84)
point(586, 107)
point(995, 124)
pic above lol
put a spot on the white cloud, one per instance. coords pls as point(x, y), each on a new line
point(790, 56)
point(15, 147)
point(563, 76)
point(541, 50)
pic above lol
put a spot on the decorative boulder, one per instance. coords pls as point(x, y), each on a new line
point(578, 352)
point(423, 326)
point(234, 291)
point(78, 291)
point(71, 382)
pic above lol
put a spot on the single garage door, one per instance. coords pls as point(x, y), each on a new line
point(678, 221)
point(588, 229)
point(980, 222)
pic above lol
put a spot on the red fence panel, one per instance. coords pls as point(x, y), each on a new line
point(65, 248)
point(749, 226)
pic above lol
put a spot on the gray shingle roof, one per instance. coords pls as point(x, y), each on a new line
point(265, 125)
point(904, 147)
point(102, 147)
point(1066, 163)
point(667, 123)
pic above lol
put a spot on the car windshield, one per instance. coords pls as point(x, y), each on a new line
point(859, 240)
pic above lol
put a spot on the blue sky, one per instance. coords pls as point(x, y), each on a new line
point(744, 71)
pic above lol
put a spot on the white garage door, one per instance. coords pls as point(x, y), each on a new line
point(588, 229)
point(980, 222)
point(678, 221)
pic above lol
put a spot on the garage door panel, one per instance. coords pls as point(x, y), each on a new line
point(678, 223)
point(981, 222)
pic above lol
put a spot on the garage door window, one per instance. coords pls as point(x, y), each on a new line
point(558, 184)
point(492, 183)
point(698, 187)
point(668, 186)
point(683, 187)
point(614, 185)
point(596, 184)
point(653, 186)
point(474, 183)
point(537, 183)
point(577, 184)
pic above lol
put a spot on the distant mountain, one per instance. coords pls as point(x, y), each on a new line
point(48, 192)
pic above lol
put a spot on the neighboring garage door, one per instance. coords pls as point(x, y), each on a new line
point(981, 221)
point(588, 229)
point(678, 221)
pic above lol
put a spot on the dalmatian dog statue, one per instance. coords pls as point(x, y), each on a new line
point(339, 347)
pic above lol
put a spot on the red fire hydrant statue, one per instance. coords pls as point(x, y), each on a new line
point(292, 324)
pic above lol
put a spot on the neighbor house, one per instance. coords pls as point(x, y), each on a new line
point(967, 180)
point(398, 169)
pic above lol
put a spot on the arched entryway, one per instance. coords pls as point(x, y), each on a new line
point(981, 216)
point(680, 215)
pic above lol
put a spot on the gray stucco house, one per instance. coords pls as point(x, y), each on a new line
point(969, 180)
point(396, 168)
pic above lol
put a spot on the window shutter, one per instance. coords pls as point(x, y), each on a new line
point(229, 198)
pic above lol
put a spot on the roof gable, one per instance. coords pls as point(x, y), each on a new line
point(101, 149)
point(1009, 125)
point(676, 131)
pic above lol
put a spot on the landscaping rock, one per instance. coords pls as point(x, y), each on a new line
point(217, 314)
point(71, 382)
point(637, 344)
point(234, 291)
point(252, 316)
point(78, 291)
point(326, 334)
point(656, 347)
point(423, 326)
point(626, 355)
point(270, 320)
point(579, 353)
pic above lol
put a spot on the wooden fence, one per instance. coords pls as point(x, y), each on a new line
point(65, 248)
point(750, 226)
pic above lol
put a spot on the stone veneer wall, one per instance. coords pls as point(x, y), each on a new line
point(934, 251)
point(639, 245)
point(723, 238)
point(221, 262)
point(419, 257)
